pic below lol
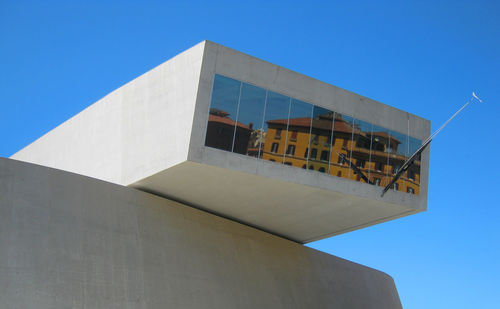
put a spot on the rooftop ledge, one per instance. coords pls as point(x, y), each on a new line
point(248, 140)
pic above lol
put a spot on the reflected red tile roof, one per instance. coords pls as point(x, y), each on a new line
point(342, 126)
point(226, 120)
point(299, 122)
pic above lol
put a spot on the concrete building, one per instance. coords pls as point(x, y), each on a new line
point(194, 186)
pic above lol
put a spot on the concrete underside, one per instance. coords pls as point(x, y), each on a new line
point(69, 241)
point(243, 197)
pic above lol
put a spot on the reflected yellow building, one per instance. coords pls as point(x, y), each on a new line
point(298, 143)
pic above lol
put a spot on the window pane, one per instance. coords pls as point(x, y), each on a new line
point(397, 157)
point(379, 170)
point(413, 172)
point(361, 150)
point(341, 150)
point(275, 126)
point(299, 126)
point(223, 109)
point(321, 138)
point(249, 132)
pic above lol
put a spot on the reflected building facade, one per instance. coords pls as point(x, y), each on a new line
point(256, 122)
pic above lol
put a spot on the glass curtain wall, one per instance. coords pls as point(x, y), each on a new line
point(256, 122)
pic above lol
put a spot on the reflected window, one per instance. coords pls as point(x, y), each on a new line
point(360, 163)
point(314, 153)
point(376, 181)
point(321, 170)
point(324, 155)
point(288, 163)
point(306, 153)
point(278, 134)
point(290, 150)
point(396, 186)
point(311, 167)
point(293, 136)
point(410, 190)
point(274, 148)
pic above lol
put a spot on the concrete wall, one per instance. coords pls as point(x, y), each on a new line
point(68, 241)
point(135, 131)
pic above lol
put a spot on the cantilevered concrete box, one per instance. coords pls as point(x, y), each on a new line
point(151, 134)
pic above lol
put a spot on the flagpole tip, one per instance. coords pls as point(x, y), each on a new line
point(475, 96)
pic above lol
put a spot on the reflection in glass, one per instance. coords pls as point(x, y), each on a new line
point(252, 121)
point(380, 139)
point(361, 149)
point(397, 157)
point(341, 148)
point(223, 110)
point(299, 126)
point(321, 138)
point(249, 131)
point(413, 172)
point(275, 126)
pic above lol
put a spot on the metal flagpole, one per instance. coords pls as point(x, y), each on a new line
point(412, 158)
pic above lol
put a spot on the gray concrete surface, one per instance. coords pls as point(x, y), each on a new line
point(135, 131)
point(69, 241)
point(298, 212)
point(149, 134)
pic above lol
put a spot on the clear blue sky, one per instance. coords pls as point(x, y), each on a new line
point(425, 57)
